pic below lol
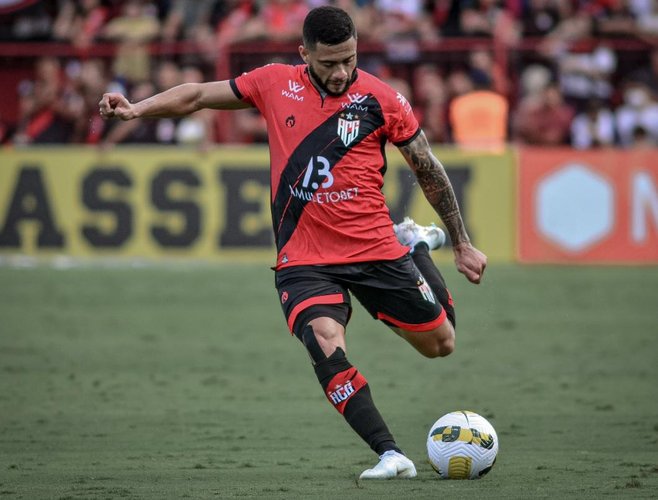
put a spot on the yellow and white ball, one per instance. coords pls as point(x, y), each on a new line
point(462, 445)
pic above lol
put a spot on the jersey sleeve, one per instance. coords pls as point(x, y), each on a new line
point(251, 86)
point(402, 124)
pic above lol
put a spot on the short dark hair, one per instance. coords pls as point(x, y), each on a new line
point(327, 25)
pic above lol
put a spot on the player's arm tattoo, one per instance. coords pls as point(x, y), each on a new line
point(436, 186)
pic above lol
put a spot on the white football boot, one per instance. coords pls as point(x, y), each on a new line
point(392, 465)
point(410, 234)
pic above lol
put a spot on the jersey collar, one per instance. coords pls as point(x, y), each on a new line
point(322, 93)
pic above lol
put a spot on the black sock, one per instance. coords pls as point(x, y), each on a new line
point(351, 396)
point(425, 264)
point(362, 415)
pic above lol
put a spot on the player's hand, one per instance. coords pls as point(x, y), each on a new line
point(115, 105)
point(470, 262)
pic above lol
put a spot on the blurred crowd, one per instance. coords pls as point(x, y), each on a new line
point(539, 72)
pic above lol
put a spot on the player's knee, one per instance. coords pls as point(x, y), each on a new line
point(446, 346)
point(321, 337)
point(441, 345)
point(437, 349)
point(326, 330)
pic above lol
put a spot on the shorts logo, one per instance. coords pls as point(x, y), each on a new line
point(284, 297)
point(290, 121)
point(348, 127)
point(425, 290)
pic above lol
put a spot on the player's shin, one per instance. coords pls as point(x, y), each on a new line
point(348, 391)
point(425, 264)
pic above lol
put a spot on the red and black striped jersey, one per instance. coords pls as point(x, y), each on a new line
point(327, 161)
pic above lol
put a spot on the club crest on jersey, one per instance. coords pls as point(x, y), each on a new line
point(348, 127)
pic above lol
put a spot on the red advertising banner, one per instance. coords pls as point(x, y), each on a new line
point(598, 206)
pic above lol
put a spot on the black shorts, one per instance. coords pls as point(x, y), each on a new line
point(393, 291)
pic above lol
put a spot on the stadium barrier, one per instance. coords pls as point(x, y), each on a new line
point(178, 203)
point(597, 206)
point(533, 205)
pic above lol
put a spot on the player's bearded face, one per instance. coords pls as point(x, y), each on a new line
point(332, 67)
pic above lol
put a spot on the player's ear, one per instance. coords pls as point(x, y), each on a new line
point(303, 52)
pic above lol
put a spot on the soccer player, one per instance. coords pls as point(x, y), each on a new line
point(327, 124)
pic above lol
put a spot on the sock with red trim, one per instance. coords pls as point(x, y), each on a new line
point(349, 392)
point(425, 264)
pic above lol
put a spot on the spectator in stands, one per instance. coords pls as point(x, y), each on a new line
point(458, 82)
point(80, 22)
point(638, 111)
point(478, 118)
point(195, 22)
point(491, 19)
point(533, 80)
point(275, 20)
point(587, 76)
point(41, 117)
point(185, 20)
point(647, 23)
point(483, 67)
point(445, 17)
point(239, 25)
point(613, 19)
point(385, 73)
point(430, 98)
point(132, 30)
point(543, 118)
point(540, 17)
point(249, 126)
point(624, 18)
point(167, 74)
point(582, 76)
point(394, 20)
point(575, 24)
point(33, 21)
point(594, 127)
point(76, 103)
point(281, 19)
point(648, 74)
point(87, 79)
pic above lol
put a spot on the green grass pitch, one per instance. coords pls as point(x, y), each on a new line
point(181, 381)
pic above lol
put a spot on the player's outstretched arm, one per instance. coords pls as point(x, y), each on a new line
point(437, 188)
point(177, 101)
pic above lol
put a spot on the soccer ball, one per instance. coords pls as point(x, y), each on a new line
point(462, 445)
